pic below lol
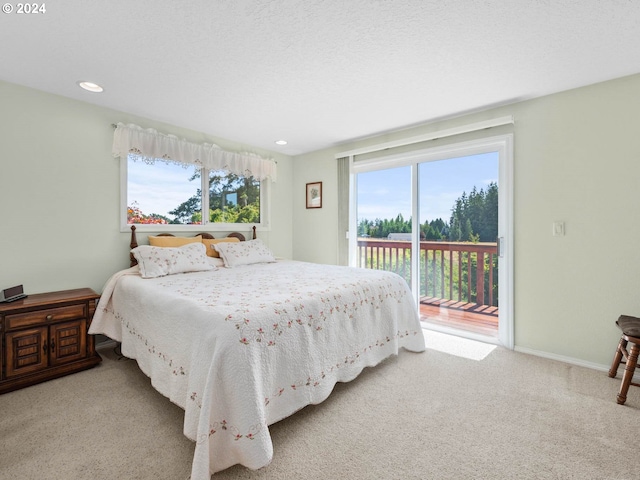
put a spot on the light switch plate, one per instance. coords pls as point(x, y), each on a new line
point(558, 229)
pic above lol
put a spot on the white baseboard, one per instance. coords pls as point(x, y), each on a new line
point(575, 361)
point(562, 358)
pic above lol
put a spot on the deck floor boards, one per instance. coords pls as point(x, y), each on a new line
point(470, 317)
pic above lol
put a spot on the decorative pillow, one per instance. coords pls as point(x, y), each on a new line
point(244, 253)
point(167, 241)
point(209, 243)
point(160, 261)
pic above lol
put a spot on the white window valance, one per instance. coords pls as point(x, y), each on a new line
point(149, 145)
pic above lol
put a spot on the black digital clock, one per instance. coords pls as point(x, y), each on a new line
point(12, 294)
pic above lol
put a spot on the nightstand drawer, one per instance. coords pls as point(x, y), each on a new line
point(20, 320)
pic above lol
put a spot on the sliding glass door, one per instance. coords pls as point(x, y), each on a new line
point(458, 205)
point(384, 220)
point(440, 219)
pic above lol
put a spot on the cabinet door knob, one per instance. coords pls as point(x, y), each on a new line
point(44, 347)
point(49, 317)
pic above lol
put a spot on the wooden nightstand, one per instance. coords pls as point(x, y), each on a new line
point(44, 336)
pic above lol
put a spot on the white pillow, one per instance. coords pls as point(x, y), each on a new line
point(244, 253)
point(215, 262)
point(160, 261)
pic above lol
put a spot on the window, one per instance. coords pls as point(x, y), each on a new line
point(169, 196)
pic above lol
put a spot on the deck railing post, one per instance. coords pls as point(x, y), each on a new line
point(480, 278)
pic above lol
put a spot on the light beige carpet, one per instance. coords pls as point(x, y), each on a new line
point(434, 415)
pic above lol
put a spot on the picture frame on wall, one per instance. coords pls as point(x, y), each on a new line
point(314, 195)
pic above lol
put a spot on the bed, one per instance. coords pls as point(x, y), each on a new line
point(242, 346)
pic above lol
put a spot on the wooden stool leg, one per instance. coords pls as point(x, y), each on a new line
point(617, 358)
point(628, 373)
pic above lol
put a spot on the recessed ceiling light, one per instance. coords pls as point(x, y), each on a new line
point(91, 87)
point(281, 142)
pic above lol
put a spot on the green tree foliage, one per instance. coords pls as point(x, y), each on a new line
point(382, 228)
point(474, 217)
point(434, 230)
point(189, 211)
point(232, 199)
point(430, 230)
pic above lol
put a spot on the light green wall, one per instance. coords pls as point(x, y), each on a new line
point(59, 191)
point(576, 160)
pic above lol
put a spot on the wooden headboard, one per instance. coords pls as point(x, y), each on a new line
point(134, 242)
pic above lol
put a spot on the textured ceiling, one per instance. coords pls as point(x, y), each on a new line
point(316, 72)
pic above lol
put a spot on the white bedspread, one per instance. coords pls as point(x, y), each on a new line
point(239, 349)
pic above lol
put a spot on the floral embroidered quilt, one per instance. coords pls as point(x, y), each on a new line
point(242, 348)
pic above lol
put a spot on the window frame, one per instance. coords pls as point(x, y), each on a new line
point(206, 226)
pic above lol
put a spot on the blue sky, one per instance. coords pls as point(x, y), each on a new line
point(386, 193)
point(160, 187)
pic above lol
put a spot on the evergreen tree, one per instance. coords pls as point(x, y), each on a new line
point(232, 199)
point(184, 213)
point(474, 218)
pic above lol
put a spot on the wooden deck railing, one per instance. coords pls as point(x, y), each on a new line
point(449, 271)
